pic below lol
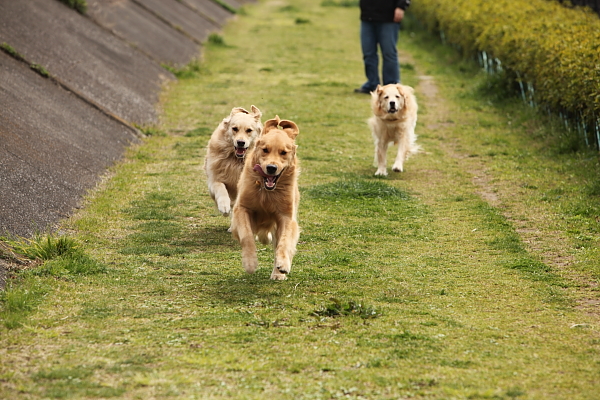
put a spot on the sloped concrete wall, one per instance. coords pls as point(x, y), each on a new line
point(58, 134)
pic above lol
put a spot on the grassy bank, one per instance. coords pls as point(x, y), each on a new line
point(469, 276)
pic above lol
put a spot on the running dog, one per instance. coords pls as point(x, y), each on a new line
point(226, 152)
point(394, 119)
point(267, 204)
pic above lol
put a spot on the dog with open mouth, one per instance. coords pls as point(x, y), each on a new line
point(268, 199)
point(230, 142)
point(394, 120)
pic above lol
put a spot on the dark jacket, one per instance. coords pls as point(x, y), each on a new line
point(380, 10)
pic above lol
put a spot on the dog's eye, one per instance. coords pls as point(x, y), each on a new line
point(248, 130)
point(283, 152)
point(386, 97)
point(265, 150)
point(235, 129)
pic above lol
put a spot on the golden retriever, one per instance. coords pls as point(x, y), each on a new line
point(226, 152)
point(267, 204)
point(394, 119)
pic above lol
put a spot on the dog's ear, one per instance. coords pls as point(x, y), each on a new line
point(375, 94)
point(375, 103)
point(290, 128)
point(256, 113)
point(271, 124)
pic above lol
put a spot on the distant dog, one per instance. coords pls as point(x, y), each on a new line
point(394, 119)
point(267, 204)
point(225, 155)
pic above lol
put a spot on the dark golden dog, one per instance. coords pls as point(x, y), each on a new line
point(268, 198)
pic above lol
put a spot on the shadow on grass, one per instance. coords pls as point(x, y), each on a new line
point(166, 238)
point(211, 238)
point(246, 289)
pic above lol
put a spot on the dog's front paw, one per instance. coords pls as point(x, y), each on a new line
point(224, 207)
point(250, 264)
point(397, 168)
point(277, 276)
point(381, 172)
point(281, 269)
point(283, 266)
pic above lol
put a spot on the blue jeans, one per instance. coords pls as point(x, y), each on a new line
point(384, 34)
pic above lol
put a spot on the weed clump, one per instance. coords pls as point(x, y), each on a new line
point(191, 70)
point(78, 5)
point(44, 247)
point(339, 308)
point(8, 49)
point(40, 70)
point(216, 39)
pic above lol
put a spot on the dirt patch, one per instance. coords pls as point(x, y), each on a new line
point(11, 262)
point(428, 87)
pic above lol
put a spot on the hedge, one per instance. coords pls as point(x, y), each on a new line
point(552, 48)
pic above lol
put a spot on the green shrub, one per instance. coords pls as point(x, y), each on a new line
point(550, 50)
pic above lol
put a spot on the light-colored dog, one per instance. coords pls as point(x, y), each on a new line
point(226, 152)
point(394, 119)
point(267, 204)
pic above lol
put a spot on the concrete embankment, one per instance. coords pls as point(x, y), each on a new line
point(72, 88)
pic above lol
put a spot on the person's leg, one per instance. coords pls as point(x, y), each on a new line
point(388, 40)
point(368, 41)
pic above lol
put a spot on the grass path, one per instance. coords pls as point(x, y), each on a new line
point(472, 275)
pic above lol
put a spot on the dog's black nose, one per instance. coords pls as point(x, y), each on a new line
point(241, 143)
point(392, 104)
point(271, 169)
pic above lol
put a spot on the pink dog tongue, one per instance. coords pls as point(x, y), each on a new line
point(270, 179)
point(258, 169)
point(240, 151)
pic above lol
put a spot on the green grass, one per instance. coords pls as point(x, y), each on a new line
point(465, 277)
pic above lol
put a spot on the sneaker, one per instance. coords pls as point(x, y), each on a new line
point(361, 90)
